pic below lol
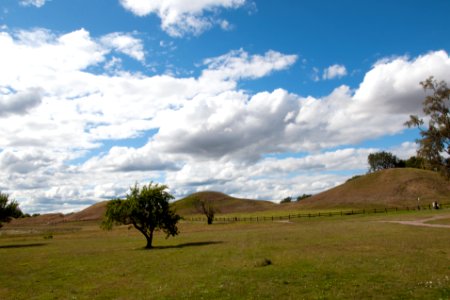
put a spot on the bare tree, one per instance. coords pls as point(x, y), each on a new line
point(206, 207)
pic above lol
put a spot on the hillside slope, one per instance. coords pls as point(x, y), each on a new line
point(224, 203)
point(386, 188)
point(93, 212)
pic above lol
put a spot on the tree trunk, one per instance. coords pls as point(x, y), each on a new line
point(210, 220)
point(149, 240)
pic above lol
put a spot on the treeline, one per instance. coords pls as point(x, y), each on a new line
point(299, 198)
point(386, 160)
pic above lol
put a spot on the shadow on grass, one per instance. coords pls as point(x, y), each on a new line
point(22, 245)
point(179, 246)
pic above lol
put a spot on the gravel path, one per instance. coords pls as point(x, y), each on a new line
point(423, 222)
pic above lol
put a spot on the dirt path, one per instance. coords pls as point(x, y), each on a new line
point(423, 222)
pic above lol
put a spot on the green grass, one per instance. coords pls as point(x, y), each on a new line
point(352, 257)
point(445, 221)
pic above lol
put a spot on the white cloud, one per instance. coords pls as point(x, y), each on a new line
point(239, 64)
point(200, 132)
point(125, 159)
point(405, 150)
point(126, 44)
point(20, 102)
point(392, 87)
point(181, 17)
point(334, 71)
point(36, 3)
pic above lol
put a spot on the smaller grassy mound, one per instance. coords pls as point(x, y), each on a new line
point(225, 204)
point(44, 219)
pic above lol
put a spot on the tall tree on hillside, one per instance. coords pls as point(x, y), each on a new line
point(382, 160)
point(434, 144)
point(8, 209)
point(146, 208)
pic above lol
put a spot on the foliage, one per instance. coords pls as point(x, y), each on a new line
point(415, 162)
point(434, 144)
point(206, 206)
point(146, 208)
point(286, 200)
point(8, 209)
point(382, 160)
point(304, 196)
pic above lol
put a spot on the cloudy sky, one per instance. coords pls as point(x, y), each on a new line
point(254, 98)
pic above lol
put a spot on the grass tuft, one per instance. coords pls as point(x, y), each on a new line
point(263, 262)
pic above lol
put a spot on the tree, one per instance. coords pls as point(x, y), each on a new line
point(415, 162)
point(206, 207)
point(8, 210)
point(434, 144)
point(286, 200)
point(383, 160)
point(304, 196)
point(146, 208)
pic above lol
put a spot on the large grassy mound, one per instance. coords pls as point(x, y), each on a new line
point(223, 203)
point(387, 188)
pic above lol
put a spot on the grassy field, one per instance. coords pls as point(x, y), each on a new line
point(349, 257)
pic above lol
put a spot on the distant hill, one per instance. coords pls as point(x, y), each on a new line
point(386, 188)
point(224, 203)
point(44, 219)
point(93, 212)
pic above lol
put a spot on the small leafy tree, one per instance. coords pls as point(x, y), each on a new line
point(434, 144)
point(8, 209)
point(382, 160)
point(206, 207)
point(146, 208)
point(286, 200)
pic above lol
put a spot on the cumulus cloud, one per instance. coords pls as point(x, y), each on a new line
point(125, 159)
point(239, 64)
point(57, 119)
point(36, 3)
point(334, 71)
point(230, 124)
point(19, 103)
point(24, 161)
point(392, 87)
point(180, 17)
point(126, 44)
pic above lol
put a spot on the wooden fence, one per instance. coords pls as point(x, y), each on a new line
point(315, 215)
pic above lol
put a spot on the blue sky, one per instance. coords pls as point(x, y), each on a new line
point(258, 99)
